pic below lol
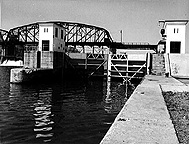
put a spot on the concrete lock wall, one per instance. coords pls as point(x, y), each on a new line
point(187, 39)
point(179, 64)
point(77, 55)
point(132, 51)
point(30, 59)
point(58, 59)
point(46, 59)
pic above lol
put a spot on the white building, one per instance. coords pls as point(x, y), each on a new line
point(176, 35)
point(51, 37)
point(50, 53)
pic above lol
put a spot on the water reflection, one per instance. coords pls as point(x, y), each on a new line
point(115, 97)
point(108, 98)
point(94, 91)
point(16, 122)
point(25, 100)
point(70, 112)
point(43, 117)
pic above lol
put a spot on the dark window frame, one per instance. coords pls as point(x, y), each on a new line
point(175, 46)
point(45, 30)
point(56, 32)
point(62, 34)
point(45, 45)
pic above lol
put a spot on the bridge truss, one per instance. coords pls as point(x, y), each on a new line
point(3, 36)
point(78, 36)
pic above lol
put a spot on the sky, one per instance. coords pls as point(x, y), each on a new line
point(138, 19)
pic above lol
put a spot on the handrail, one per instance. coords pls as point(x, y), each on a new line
point(137, 71)
point(95, 56)
point(118, 71)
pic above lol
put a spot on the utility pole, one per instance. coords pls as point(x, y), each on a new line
point(121, 35)
point(0, 13)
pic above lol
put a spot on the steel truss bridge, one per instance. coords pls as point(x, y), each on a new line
point(3, 36)
point(78, 37)
point(77, 34)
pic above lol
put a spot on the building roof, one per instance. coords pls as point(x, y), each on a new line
point(164, 23)
point(173, 20)
point(180, 22)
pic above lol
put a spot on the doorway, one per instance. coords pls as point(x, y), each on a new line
point(175, 46)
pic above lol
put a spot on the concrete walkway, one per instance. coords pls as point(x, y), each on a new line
point(144, 119)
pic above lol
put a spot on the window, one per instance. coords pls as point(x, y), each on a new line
point(45, 45)
point(175, 47)
point(45, 29)
point(62, 34)
point(56, 32)
point(176, 30)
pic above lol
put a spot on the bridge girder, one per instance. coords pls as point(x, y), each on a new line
point(3, 35)
point(76, 33)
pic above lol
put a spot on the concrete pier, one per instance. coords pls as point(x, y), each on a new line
point(145, 118)
point(23, 75)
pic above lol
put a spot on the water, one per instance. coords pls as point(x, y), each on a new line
point(59, 113)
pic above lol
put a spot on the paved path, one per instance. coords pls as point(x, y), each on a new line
point(144, 119)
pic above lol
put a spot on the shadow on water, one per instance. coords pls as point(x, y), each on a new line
point(68, 112)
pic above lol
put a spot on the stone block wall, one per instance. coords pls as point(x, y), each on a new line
point(158, 64)
point(30, 59)
point(46, 59)
point(58, 59)
point(179, 66)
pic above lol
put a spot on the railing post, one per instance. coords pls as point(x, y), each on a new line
point(126, 83)
point(148, 63)
point(86, 61)
point(109, 68)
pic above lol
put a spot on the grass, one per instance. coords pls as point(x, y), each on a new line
point(178, 107)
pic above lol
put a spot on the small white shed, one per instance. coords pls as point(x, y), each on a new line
point(51, 37)
point(174, 34)
point(51, 45)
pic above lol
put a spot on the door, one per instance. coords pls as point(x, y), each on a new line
point(45, 45)
point(175, 46)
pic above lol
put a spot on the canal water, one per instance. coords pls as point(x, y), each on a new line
point(69, 112)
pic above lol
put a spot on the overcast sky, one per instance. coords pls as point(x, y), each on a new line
point(138, 19)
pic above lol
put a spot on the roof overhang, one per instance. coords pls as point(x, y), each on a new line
point(173, 22)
